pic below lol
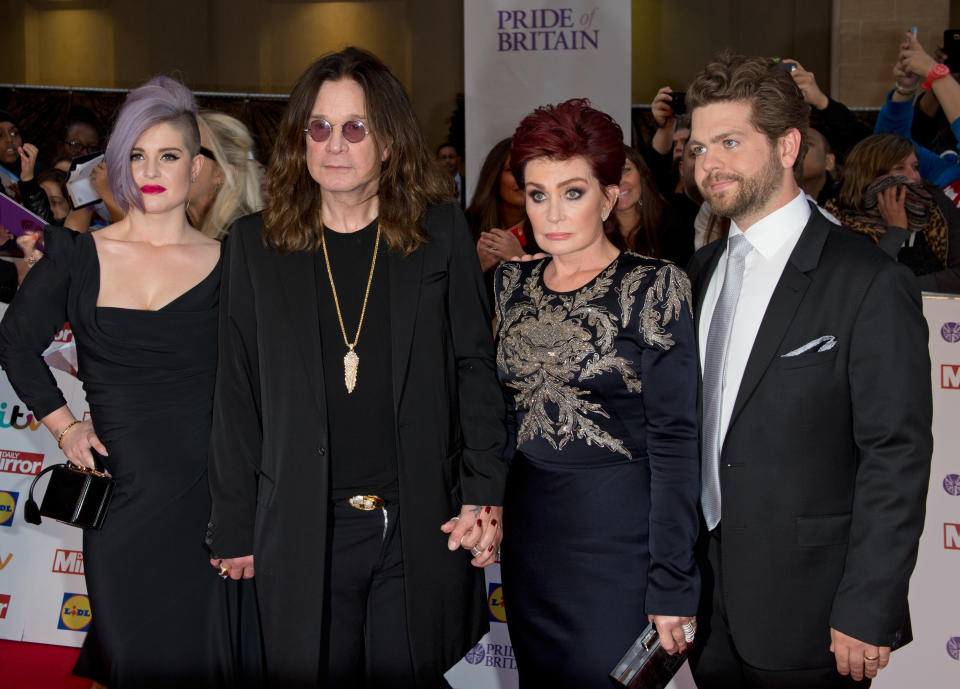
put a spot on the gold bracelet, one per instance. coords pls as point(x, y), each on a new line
point(64, 432)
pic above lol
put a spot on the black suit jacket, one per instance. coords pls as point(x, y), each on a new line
point(825, 464)
point(269, 462)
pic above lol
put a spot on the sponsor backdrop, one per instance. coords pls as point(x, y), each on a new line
point(43, 594)
point(933, 659)
point(520, 54)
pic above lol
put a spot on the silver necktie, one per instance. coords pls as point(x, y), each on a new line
point(714, 365)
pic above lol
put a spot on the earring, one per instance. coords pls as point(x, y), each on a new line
point(193, 179)
point(604, 216)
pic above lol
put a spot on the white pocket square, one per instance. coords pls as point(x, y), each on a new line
point(822, 344)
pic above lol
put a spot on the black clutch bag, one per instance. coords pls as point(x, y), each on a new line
point(646, 665)
point(75, 495)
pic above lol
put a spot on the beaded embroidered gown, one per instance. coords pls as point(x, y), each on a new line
point(600, 513)
point(160, 612)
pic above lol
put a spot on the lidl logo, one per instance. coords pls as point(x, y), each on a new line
point(8, 506)
point(75, 612)
point(4, 604)
point(495, 603)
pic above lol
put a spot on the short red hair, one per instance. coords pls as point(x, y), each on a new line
point(567, 130)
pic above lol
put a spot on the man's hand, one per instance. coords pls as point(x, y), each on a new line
point(234, 567)
point(856, 658)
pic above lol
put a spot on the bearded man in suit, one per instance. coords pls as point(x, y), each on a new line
point(816, 408)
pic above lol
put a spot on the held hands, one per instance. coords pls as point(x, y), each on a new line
point(233, 567)
point(890, 203)
point(856, 658)
point(479, 529)
point(673, 637)
point(77, 442)
point(807, 84)
point(28, 161)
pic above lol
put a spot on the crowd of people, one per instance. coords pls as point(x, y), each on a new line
point(678, 328)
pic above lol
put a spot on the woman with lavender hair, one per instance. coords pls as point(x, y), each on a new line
point(142, 298)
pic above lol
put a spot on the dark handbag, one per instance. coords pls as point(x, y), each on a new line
point(646, 665)
point(75, 495)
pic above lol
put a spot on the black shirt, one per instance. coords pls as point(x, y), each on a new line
point(363, 455)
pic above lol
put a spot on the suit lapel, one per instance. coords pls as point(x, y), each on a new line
point(712, 253)
point(297, 274)
point(783, 305)
point(405, 274)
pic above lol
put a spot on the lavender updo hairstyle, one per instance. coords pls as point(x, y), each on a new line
point(160, 100)
point(572, 128)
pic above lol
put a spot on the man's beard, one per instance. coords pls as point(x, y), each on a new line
point(752, 193)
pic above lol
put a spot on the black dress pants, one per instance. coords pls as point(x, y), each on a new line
point(714, 659)
point(365, 617)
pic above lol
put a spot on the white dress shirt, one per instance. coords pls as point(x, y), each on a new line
point(773, 239)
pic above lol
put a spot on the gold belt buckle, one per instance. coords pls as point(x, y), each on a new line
point(367, 503)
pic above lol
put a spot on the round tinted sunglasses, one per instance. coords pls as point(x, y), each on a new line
point(353, 130)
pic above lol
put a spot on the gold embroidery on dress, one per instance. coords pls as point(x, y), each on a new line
point(545, 345)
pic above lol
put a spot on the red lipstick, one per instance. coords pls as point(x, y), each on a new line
point(152, 189)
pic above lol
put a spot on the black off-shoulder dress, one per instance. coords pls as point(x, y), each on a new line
point(160, 612)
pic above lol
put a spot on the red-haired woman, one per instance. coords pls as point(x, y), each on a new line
point(597, 354)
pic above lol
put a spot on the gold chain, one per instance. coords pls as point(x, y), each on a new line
point(366, 294)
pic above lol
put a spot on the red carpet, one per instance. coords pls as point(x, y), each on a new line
point(38, 666)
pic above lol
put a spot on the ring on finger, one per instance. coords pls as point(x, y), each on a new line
point(476, 551)
point(870, 659)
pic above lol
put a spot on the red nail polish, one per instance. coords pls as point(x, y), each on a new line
point(490, 549)
point(487, 509)
point(493, 522)
point(479, 523)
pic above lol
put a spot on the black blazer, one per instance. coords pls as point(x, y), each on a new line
point(825, 464)
point(269, 466)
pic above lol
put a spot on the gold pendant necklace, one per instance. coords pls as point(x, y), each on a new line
point(351, 361)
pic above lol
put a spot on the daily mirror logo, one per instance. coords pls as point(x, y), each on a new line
point(68, 562)
point(16, 462)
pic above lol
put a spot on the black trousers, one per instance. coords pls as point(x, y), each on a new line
point(714, 660)
point(366, 643)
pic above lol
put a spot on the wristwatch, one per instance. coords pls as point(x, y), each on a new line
point(938, 71)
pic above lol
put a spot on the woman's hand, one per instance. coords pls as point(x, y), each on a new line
point(233, 567)
point(27, 243)
point(28, 161)
point(501, 243)
point(891, 204)
point(488, 259)
point(913, 58)
point(479, 529)
point(77, 443)
point(673, 637)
